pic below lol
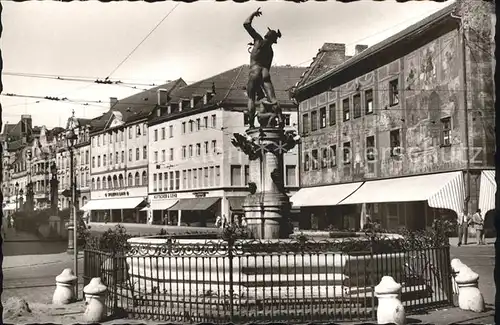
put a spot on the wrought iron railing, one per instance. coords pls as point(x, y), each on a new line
point(248, 281)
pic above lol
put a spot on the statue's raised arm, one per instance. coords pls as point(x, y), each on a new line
point(248, 25)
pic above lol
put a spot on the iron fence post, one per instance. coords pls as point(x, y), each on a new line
point(230, 247)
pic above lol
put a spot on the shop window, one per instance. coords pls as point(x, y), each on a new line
point(369, 101)
point(394, 92)
point(333, 113)
point(346, 110)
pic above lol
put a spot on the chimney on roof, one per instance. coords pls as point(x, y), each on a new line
point(359, 48)
point(112, 102)
point(338, 51)
point(162, 96)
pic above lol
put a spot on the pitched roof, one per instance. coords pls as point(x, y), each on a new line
point(230, 85)
point(413, 29)
point(136, 106)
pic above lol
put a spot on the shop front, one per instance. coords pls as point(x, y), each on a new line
point(196, 209)
point(122, 206)
point(411, 202)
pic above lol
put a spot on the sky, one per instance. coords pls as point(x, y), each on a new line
point(194, 41)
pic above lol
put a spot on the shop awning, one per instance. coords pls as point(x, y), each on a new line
point(9, 207)
point(113, 204)
point(200, 204)
point(161, 205)
point(443, 190)
point(92, 205)
point(487, 190)
point(236, 203)
point(323, 195)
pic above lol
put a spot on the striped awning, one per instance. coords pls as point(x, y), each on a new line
point(487, 190)
point(323, 195)
point(442, 190)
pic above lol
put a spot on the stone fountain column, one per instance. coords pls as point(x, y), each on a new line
point(266, 210)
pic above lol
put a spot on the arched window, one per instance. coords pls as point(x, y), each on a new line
point(84, 200)
point(324, 158)
point(120, 179)
point(144, 178)
point(98, 184)
point(137, 180)
point(130, 180)
point(93, 184)
point(115, 182)
point(110, 184)
point(104, 183)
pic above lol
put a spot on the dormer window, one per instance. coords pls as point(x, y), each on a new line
point(175, 107)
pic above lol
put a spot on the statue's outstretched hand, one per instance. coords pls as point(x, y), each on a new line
point(257, 13)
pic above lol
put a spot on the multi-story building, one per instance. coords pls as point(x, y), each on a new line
point(16, 141)
point(195, 173)
point(81, 164)
point(119, 157)
point(402, 132)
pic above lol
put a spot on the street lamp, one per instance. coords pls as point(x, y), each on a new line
point(17, 196)
point(71, 138)
point(53, 187)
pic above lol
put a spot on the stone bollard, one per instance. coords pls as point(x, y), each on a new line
point(469, 296)
point(65, 288)
point(95, 293)
point(390, 309)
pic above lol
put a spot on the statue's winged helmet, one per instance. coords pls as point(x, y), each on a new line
point(273, 35)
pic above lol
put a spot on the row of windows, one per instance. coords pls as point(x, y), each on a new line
point(196, 125)
point(195, 178)
point(317, 119)
point(63, 162)
point(236, 175)
point(117, 182)
point(120, 157)
point(328, 157)
point(187, 151)
point(117, 135)
point(81, 178)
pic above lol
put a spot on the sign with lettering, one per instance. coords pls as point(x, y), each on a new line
point(114, 194)
point(200, 194)
point(165, 196)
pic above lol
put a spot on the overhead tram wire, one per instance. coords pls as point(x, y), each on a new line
point(143, 40)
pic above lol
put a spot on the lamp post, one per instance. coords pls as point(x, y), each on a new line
point(17, 196)
point(71, 138)
point(53, 187)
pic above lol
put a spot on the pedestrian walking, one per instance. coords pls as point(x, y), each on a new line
point(464, 220)
point(478, 221)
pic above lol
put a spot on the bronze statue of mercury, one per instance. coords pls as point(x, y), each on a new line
point(259, 78)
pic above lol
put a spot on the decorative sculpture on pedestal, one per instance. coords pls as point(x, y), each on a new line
point(267, 207)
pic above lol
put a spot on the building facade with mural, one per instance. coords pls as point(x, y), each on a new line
point(195, 173)
point(402, 133)
point(119, 158)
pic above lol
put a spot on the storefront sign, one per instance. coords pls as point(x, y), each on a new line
point(165, 196)
point(200, 194)
point(114, 194)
